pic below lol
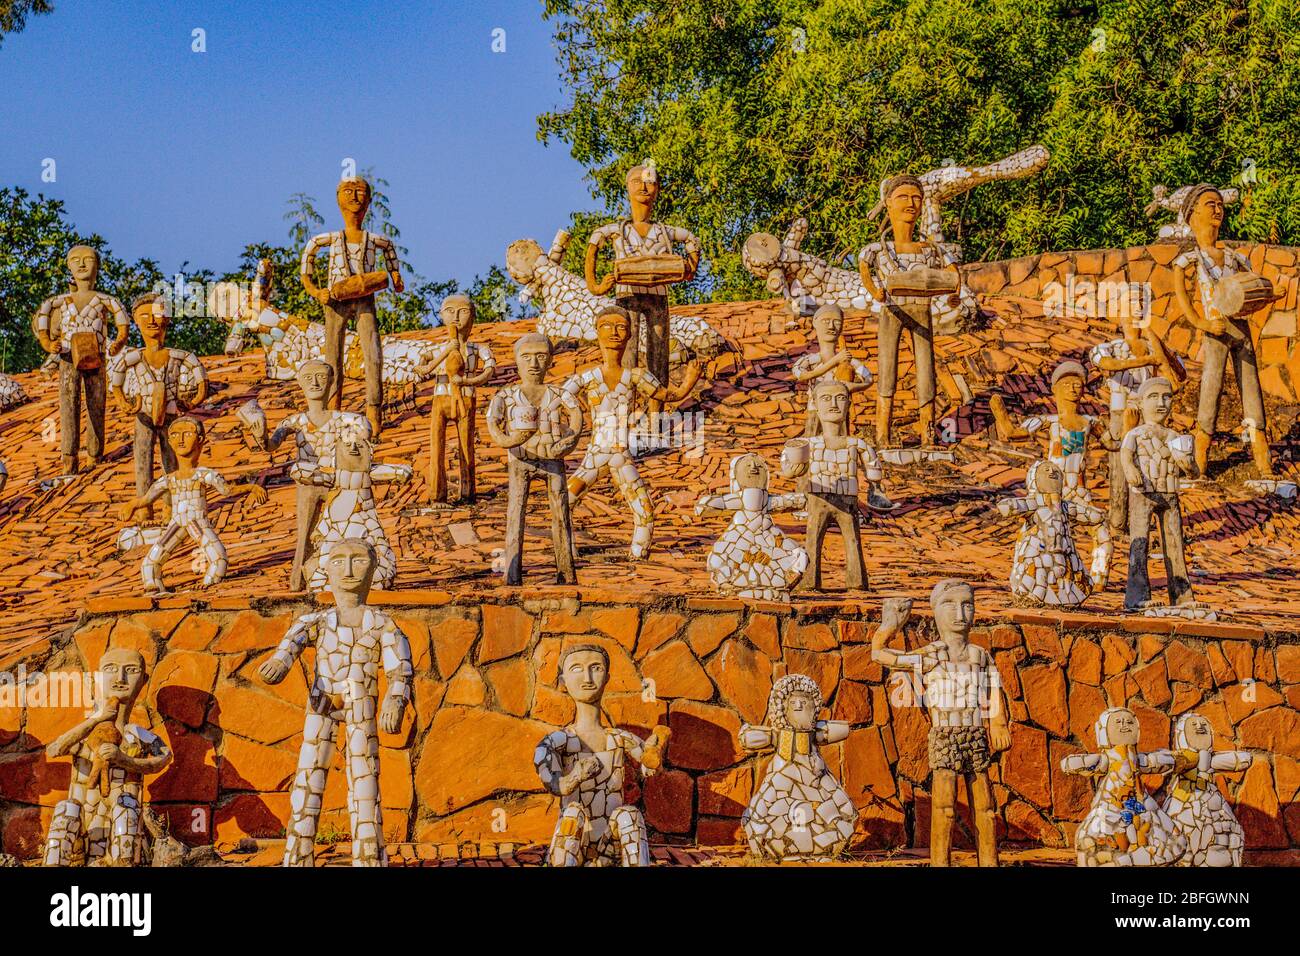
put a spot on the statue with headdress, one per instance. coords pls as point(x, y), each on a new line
point(1192, 798)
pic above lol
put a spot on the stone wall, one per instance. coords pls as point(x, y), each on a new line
point(1046, 276)
point(460, 770)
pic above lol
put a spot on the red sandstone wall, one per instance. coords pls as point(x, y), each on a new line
point(485, 694)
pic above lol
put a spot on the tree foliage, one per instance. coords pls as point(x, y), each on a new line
point(14, 14)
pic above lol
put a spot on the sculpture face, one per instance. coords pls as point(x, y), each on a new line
point(185, 438)
point(612, 331)
point(585, 674)
point(832, 402)
point(353, 452)
point(1198, 733)
point(314, 379)
point(1048, 479)
point(1122, 729)
point(533, 360)
point(904, 204)
point(1157, 403)
point(828, 324)
point(954, 611)
point(1068, 388)
point(151, 318)
point(83, 263)
point(640, 189)
point(121, 674)
point(349, 568)
point(1208, 211)
point(800, 712)
point(751, 472)
point(354, 196)
point(457, 313)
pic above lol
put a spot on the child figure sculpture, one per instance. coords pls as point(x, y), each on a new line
point(353, 641)
point(753, 559)
point(1193, 801)
point(800, 812)
point(184, 488)
point(100, 820)
point(583, 766)
point(830, 361)
point(1046, 569)
point(1125, 827)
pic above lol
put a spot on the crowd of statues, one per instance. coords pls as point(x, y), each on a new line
point(908, 277)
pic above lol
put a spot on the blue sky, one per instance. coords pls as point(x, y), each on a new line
point(178, 155)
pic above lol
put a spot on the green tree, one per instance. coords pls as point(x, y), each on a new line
point(14, 14)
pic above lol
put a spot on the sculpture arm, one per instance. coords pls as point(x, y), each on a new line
point(123, 323)
point(1230, 760)
point(831, 731)
point(713, 504)
point(691, 245)
point(870, 462)
point(392, 265)
point(1013, 506)
point(385, 473)
point(596, 286)
point(1129, 462)
point(499, 430)
point(483, 374)
point(43, 327)
point(549, 762)
point(193, 370)
point(755, 738)
point(307, 265)
point(794, 501)
point(295, 640)
point(672, 395)
point(1006, 428)
point(558, 246)
point(1190, 308)
point(1088, 765)
point(395, 650)
point(62, 745)
point(562, 446)
point(868, 280)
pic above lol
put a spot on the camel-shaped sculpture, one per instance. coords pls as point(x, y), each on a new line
point(807, 281)
point(567, 310)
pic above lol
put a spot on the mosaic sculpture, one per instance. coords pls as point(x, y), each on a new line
point(830, 361)
point(753, 558)
point(459, 367)
point(11, 393)
point(353, 641)
point(1046, 569)
point(99, 822)
point(538, 424)
point(1163, 200)
point(962, 693)
point(185, 490)
point(583, 764)
point(1125, 826)
point(73, 328)
point(4, 475)
point(1192, 798)
point(349, 295)
point(799, 811)
point(608, 391)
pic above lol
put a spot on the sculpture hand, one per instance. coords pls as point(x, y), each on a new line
point(47, 343)
point(322, 296)
point(118, 343)
point(1004, 506)
point(894, 613)
point(107, 752)
point(128, 510)
point(390, 717)
point(1215, 324)
point(605, 284)
point(273, 670)
point(256, 495)
point(398, 285)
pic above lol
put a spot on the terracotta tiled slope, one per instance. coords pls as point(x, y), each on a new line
point(57, 545)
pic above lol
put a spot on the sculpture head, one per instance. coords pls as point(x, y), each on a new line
point(83, 264)
point(187, 437)
point(903, 196)
point(1045, 478)
point(353, 194)
point(613, 327)
point(1156, 398)
point(1193, 732)
point(794, 703)
point(748, 471)
point(643, 185)
point(831, 399)
point(1203, 208)
point(152, 316)
point(121, 675)
point(953, 603)
point(521, 260)
point(533, 355)
point(354, 451)
point(1068, 380)
point(1117, 727)
point(828, 323)
point(458, 314)
point(315, 378)
point(584, 671)
point(350, 567)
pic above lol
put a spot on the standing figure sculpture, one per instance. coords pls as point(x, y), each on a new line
point(538, 424)
point(831, 361)
point(645, 264)
point(583, 765)
point(1200, 272)
point(903, 275)
point(608, 391)
point(73, 327)
point(1192, 798)
point(800, 811)
point(353, 641)
point(155, 385)
point(99, 822)
point(1126, 826)
point(459, 367)
point(349, 295)
point(967, 709)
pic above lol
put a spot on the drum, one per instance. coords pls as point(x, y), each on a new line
point(359, 286)
point(85, 351)
point(649, 270)
point(1241, 293)
point(922, 281)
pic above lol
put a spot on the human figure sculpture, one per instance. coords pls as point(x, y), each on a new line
point(1125, 826)
point(753, 559)
point(1152, 457)
point(73, 326)
point(832, 462)
point(1164, 200)
point(608, 391)
point(316, 434)
point(348, 511)
point(645, 264)
point(1068, 434)
point(583, 764)
point(1199, 270)
point(11, 393)
point(99, 822)
point(903, 274)
point(353, 641)
point(967, 709)
point(830, 361)
point(349, 295)
point(800, 811)
point(184, 488)
point(1046, 569)
point(538, 424)
point(460, 366)
point(155, 385)
point(1192, 798)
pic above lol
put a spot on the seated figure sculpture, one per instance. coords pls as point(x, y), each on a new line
point(99, 822)
point(753, 559)
point(583, 764)
point(800, 811)
point(1193, 801)
point(1126, 826)
point(352, 641)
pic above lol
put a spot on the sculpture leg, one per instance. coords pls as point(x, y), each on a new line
point(943, 797)
point(308, 788)
point(361, 759)
point(888, 332)
point(520, 480)
point(1173, 547)
point(336, 325)
point(628, 828)
point(846, 516)
point(438, 415)
point(373, 355)
point(1103, 549)
point(561, 522)
point(1214, 356)
point(63, 843)
point(151, 566)
point(96, 385)
point(98, 825)
point(1245, 367)
point(214, 552)
point(923, 353)
point(309, 499)
point(142, 455)
point(69, 415)
point(818, 517)
point(654, 313)
point(126, 830)
point(1137, 591)
point(637, 495)
point(465, 436)
point(1117, 510)
point(569, 844)
point(631, 303)
point(981, 799)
